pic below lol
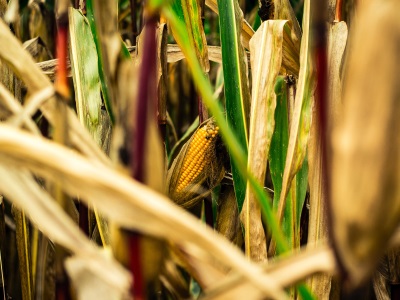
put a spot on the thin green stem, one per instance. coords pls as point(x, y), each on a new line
point(235, 150)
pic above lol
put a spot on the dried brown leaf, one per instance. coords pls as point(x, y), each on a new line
point(366, 163)
point(285, 270)
point(228, 222)
point(337, 41)
point(20, 187)
point(266, 48)
point(135, 206)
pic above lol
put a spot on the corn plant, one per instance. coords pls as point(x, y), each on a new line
point(199, 149)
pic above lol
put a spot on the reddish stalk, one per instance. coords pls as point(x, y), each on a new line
point(146, 107)
point(61, 82)
point(138, 288)
point(322, 103)
point(338, 12)
point(147, 99)
point(60, 135)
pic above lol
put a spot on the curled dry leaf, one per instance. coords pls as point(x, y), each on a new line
point(365, 190)
point(285, 270)
point(197, 168)
point(84, 274)
point(282, 10)
point(205, 269)
point(134, 204)
point(266, 60)
point(21, 188)
point(174, 54)
point(228, 222)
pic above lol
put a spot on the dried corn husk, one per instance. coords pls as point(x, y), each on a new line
point(228, 222)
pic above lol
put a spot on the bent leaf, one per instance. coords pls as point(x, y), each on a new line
point(266, 59)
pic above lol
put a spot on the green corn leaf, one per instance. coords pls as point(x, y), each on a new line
point(22, 239)
point(237, 92)
point(192, 14)
point(84, 64)
point(176, 6)
point(111, 49)
point(301, 119)
point(246, 29)
point(279, 143)
point(301, 190)
point(235, 149)
point(277, 158)
point(257, 22)
point(104, 87)
point(85, 73)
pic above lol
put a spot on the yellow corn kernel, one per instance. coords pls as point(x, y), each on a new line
point(195, 161)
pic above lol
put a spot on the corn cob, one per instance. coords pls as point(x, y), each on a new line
point(198, 167)
point(195, 160)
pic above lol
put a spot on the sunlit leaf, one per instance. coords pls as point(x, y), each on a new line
point(84, 63)
point(237, 92)
point(247, 30)
point(266, 58)
point(192, 13)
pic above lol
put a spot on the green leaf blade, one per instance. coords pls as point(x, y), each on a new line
point(192, 15)
point(237, 93)
point(104, 88)
point(84, 64)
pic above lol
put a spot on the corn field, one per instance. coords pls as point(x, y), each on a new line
point(199, 149)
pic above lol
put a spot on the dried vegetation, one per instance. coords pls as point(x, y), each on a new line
point(191, 149)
